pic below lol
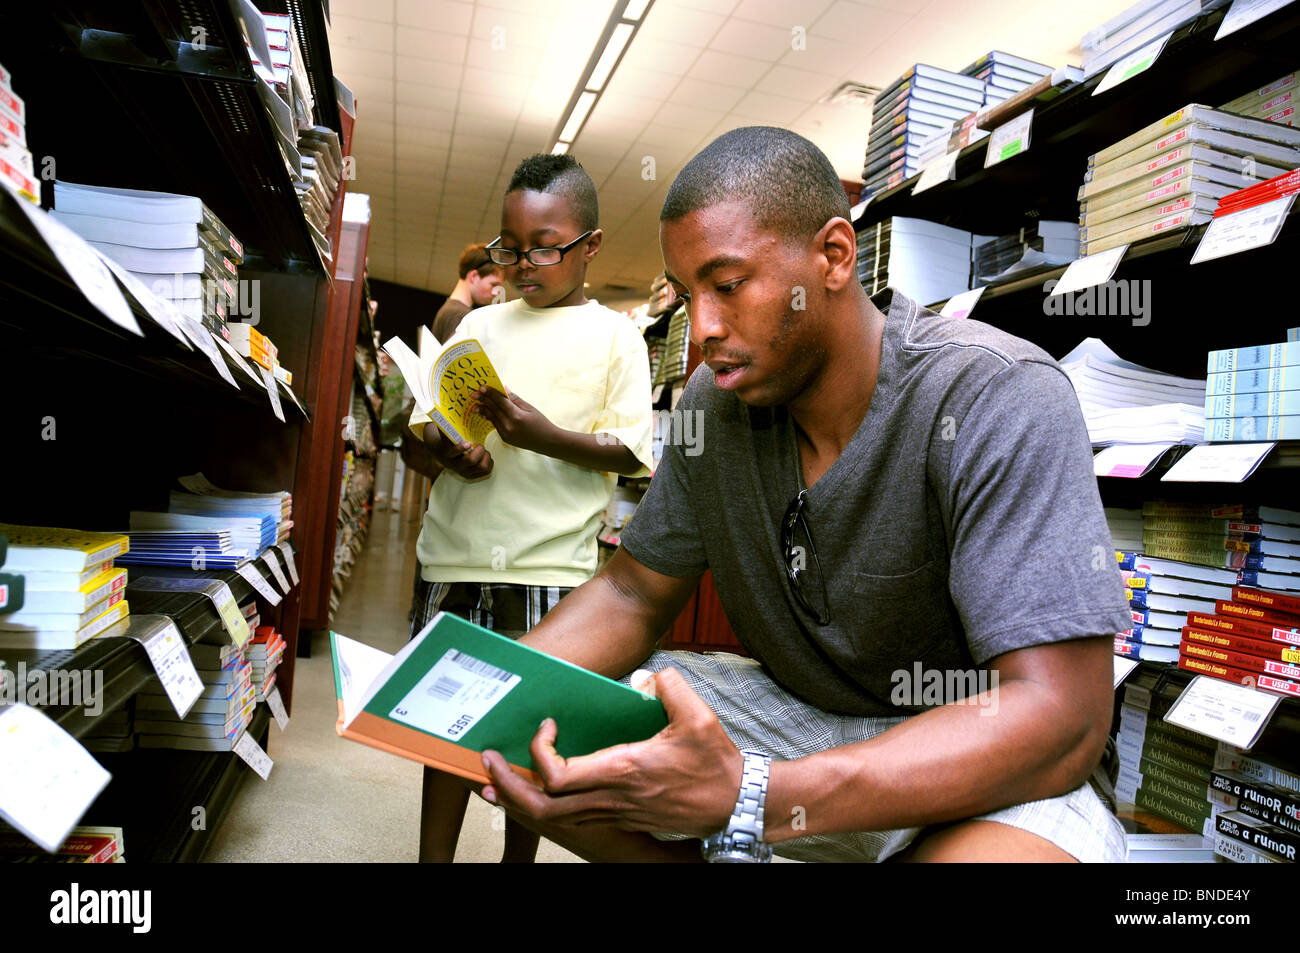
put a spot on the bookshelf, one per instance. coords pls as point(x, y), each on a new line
point(134, 413)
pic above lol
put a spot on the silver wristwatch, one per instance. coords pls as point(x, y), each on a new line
point(742, 840)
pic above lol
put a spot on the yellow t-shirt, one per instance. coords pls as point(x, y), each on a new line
point(533, 520)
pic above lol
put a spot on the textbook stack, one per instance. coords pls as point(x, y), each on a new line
point(172, 243)
point(1004, 75)
point(220, 714)
point(1251, 638)
point(1170, 175)
point(1260, 543)
point(185, 549)
point(1125, 527)
point(83, 845)
point(922, 103)
point(265, 651)
point(1134, 28)
point(317, 186)
point(923, 260)
point(1161, 592)
point(15, 160)
point(71, 591)
point(287, 71)
point(1253, 393)
point(1043, 244)
point(1273, 102)
point(202, 498)
point(1255, 799)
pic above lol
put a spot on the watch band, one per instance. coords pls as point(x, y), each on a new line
point(742, 839)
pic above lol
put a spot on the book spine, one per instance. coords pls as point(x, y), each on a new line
point(1233, 759)
point(1195, 526)
point(1248, 358)
point(1258, 381)
point(1268, 404)
point(1264, 837)
point(1201, 543)
point(1230, 673)
point(1280, 651)
point(1161, 755)
point(1233, 511)
point(1229, 803)
point(1147, 722)
point(1252, 428)
point(1253, 613)
point(1241, 660)
point(1239, 853)
point(1188, 786)
point(1188, 820)
point(1273, 601)
point(1285, 804)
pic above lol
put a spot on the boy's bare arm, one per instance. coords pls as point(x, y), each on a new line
point(522, 425)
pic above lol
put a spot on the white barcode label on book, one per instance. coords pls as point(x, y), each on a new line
point(1223, 710)
point(454, 696)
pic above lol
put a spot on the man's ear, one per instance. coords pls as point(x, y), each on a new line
point(839, 244)
point(593, 244)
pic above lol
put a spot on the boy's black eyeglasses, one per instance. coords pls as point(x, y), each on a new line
point(538, 256)
point(794, 515)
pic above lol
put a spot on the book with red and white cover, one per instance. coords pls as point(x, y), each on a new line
point(1242, 660)
point(1262, 648)
point(1228, 673)
point(1254, 613)
point(1277, 602)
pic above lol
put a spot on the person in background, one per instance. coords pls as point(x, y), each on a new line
point(480, 278)
point(511, 526)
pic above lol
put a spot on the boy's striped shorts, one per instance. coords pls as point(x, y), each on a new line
point(504, 608)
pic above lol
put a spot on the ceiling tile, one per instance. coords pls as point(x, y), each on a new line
point(782, 13)
point(410, 69)
point(440, 138)
point(431, 45)
point(426, 97)
point(830, 56)
point(508, 30)
point(756, 40)
point(796, 83)
point(679, 116)
point(361, 34)
point(381, 10)
point(652, 84)
point(488, 82)
point(447, 15)
point(680, 24)
point(349, 62)
point(627, 108)
point(415, 117)
point(652, 54)
point(852, 21)
point(728, 69)
point(517, 60)
point(706, 95)
point(768, 109)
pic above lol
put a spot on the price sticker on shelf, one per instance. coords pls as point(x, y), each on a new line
point(1090, 270)
point(1227, 711)
point(163, 312)
point(1245, 12)
point(49, 779)
point(286, 551)
point(292, 396)
point(174, 667)
point(1218, 463)
point(273, 564)
point(223, 600)
point(1123, 668)
point(1139, 61)
point(83, 266)
point(257, 759)
point(1009, 139)
point(276, 704)
point(272, 391)
point(205, 342)
point(961, 305)
point(1130, 460)
point(259, 583)
point(940, 170)
point(1241, 231)
point(235, 357)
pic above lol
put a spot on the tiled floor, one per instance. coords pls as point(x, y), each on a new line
point(334, 800)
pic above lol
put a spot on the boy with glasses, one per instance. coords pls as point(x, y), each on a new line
point(512, 526)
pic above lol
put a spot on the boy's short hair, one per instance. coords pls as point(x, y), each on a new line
point(475, 257)
point(561, 175)
point(788, 182)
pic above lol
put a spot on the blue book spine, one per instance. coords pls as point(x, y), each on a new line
point(1249, 358)
point(1275, 403)
point(1138, 598)
point(1253, 428)
point(1260, 380)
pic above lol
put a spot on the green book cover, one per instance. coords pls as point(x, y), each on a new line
point(456, 690)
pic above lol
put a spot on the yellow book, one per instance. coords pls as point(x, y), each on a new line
point(442, 380)
point(66, 638)
point(59, 550)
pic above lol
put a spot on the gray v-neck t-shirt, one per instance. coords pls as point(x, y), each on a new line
point(961, 522)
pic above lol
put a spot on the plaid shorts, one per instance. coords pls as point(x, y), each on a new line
point(503, 608)
point(760, 715)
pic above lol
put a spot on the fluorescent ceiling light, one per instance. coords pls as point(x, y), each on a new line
point(576, 118)
point(613, 50)
point(559, 149)
point(635, 9)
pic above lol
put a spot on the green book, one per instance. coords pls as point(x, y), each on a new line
point(456, 690)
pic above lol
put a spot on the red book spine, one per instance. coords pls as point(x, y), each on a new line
point(1276, 601)
point(1243, 627)
point(1252, 613)
point(1247, 663)
point(1240, 643)
point(1229, 674)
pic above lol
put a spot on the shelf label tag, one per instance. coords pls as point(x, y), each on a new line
point(1227, 711)
point(235, 357)
point(940, 170)
point(258, 582)
point(1241, 231)
point(1123, 668)
point(1090, 270)
point(272, 391)
point(1245, 12)
point(855, 213)
point(1009, 139)
point(276, 704)
point(257, 759)
point(163, 312)
point(961, 305)
point(1139, 61)
point(49, 779)
point(223, 600)
point(1218, 463)
point(273, 564)
point(286, 551)
point(175, 669)
point(1130, 460)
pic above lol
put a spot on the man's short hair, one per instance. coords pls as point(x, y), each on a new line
point(561, 175)
point(788, 182)
point(475, 257)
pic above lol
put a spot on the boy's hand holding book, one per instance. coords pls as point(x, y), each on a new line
point(469, 460)
point(517, 422)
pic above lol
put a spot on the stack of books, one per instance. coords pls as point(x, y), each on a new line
point(1260, 543)
point(219, 716)
point(1251, 638)
point(1125, 527)
point(923, 260)
point(287, 71)
point(318, 185)
point(1253, 393)
point(1272, 102)
point(1123, 402)
point(265, 651)
point(204, 499)
point(83, 845)
point(257, 347)
point(1004, 75)
point(1171, 174)
point(1134, 28)
point(1254, 798)
point(1278, 187)
point(71, 590)
point(1160, 593)
point(184, 549)
point(173, 243)
point(15, 159)
point(1041, 245)
point(674, 355)
point(922, 103)
point(249, 535)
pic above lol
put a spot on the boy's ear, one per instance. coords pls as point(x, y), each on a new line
point(593, 244)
